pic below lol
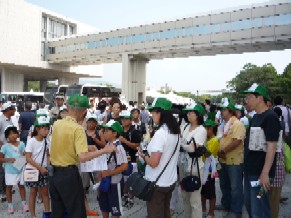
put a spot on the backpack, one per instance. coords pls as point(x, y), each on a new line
point(126, 172)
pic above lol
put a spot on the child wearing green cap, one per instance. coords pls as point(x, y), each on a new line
point(110, 199)
point(210, 173)
point(37, 158)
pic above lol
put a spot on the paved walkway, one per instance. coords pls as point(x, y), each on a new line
point(139, 210)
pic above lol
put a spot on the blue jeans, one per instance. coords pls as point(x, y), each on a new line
point(257, 208)
point(231, 185)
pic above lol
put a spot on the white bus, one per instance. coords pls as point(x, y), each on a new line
point(34, 97)
point(50, 92)
point(93, 91)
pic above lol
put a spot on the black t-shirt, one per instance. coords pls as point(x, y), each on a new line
point(254, 160)
point(133, 136)
point(90, 140)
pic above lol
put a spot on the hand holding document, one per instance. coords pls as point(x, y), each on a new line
point(96, 164)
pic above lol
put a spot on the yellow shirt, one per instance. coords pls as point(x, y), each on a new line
point(236, 131)
point(212, 146)
point(68, 141)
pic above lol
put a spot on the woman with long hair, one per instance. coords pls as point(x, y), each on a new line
point(163, 148)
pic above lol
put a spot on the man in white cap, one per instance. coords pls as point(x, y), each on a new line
point(59, 101)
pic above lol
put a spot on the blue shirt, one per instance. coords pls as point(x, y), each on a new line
point(11, 151)
point(26, 119)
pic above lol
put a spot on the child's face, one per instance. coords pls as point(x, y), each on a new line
point(125, 121)
point(43, 131)
point(135, 115)
point(91, 124)
point(109, 134)
point(209, 131)
point(12, 136)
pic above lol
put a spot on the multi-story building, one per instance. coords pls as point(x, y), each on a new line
point(24, 29)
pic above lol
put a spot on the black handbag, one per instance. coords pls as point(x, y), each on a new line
point(140, 187)
point(192, 183)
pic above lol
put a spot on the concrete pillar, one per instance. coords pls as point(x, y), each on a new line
point(42, 85)
point(134, 78)
point(47, 28)
point(68, 81)
point(11, 81)
point(25, 85)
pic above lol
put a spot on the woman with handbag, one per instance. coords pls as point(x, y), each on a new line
point(193, 135)
point(161, 158)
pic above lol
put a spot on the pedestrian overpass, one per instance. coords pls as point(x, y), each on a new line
point(254, 28)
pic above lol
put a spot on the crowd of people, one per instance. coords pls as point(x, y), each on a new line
point(241, 144)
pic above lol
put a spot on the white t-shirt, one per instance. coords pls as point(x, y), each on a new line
point(245, 121)
point(36, 148)
point(165, 143)
point(200, 136)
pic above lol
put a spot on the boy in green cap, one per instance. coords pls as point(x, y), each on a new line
point(110, 198)
point(210, 173)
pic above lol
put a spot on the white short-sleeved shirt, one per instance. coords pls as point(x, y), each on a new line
point(200, 136)
point(36, 148)
point(165, 143)
point(121, 158)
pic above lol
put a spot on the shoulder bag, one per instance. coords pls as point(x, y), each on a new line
point(33, 175)
point(142, 188)
point(192, 183)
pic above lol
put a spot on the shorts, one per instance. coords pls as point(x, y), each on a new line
point(14, 179)
point(85, 179)
point(85, 176)
point(208, 190)
point(110, 201)
point(42, 182)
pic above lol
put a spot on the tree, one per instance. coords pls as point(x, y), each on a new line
point(34, 85)
point(284, 82)
point(265, 75)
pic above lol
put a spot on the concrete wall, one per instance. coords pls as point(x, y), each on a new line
point(20, 38)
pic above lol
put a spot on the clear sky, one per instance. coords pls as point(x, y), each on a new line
point(183, 74)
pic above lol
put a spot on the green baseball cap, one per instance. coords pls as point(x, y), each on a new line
point(114, 125)
point(125, 114)
point(258, 89)
point(78, 101)
point(210, 123)
point(161, 103)
point(196, 107)
point(228, 105)
point(42, 121)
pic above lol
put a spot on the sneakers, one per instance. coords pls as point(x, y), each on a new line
point(92, 213)
point(221, 207)
point(10, 210)
point(25, 208)
point(232, 215)
point(130, 203)
point(204, 214)
point(3, 198)
point(124, 199)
